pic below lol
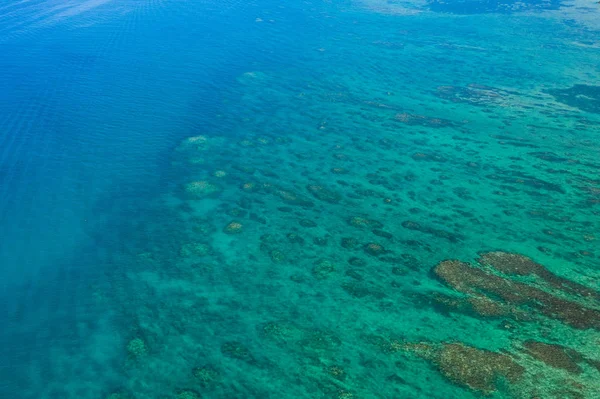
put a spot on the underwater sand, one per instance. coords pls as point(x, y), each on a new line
point(310, 200)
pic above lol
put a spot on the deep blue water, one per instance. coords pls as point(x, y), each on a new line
point(96, 97)
point(92, 101)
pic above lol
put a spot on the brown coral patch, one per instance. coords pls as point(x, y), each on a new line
point(554, 355)
point(476, 305)
point(374, 249)
point(477, 369)
point(250, 187)
point(516, 264)
point(476, 281)
point(484, 306)
point(233, 227)
point(471, 367)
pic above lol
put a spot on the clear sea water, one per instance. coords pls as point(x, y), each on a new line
point(208, 199)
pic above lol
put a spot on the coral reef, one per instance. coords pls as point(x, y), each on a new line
point(201, 189)
point(324, 194)
point(475, 368)
point(358, 221)
point(452, 237)
point(473, 94)
point(322, 269)
point(187, 394)
point(584, 97)
point(233, 227)
point(137, 348)
point(237, 350)
point(374, 249)
point(554, 355)
point(516, 264)
point(292, 198)
point(307, 223)
point(479, 282)
point(422, 120)
point(118, 395)
point(194, 249)
point(206, 375)
point(349, 242)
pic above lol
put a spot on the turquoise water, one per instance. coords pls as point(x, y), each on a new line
point(359, 199)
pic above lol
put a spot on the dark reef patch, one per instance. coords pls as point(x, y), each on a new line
point(584, 97)
point(512, 295)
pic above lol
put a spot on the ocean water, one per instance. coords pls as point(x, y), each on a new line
point(342, 199)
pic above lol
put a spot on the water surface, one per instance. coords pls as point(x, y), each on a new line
point(323, 200)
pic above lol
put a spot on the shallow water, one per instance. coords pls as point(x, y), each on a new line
point(207, 199)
